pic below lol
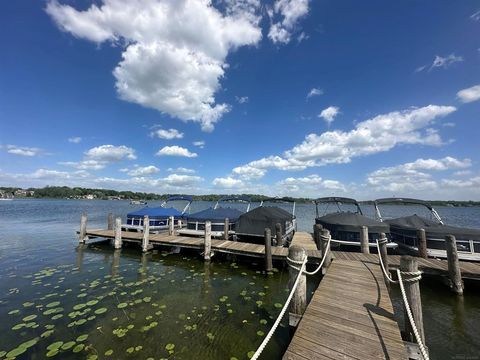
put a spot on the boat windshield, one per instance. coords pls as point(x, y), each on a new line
point(234, 202)
point(282, 203)
point(392, 208)
point(328, 205)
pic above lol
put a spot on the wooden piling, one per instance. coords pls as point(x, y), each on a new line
point(299, 299)
point(317, 230)
point(409, 264)
point(279, 234)
point(454, 273)
point(364, 240)
point(83, 229)
point(146, 234)
point(171, 225)
point(324, 236)
point(382, 244)
point(118, 233)
point(208, 240)
point(226, 227)
point(422, 243)
point(268, 249)
point(110, 221)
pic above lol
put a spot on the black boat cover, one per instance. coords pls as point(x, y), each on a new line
point(255, 221)
point(433, 228)
point(352, 222)
point(218, 215)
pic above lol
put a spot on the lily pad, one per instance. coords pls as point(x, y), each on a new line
point(100, 311)
point(82, 338)
point(260, 333)
point(278, 305)
point(78, 348)
point(122, 305)
point(108, 352)
point(53, 304)
point(29, 317)
point(15, 352)
point(56, 345)
point(68, 345)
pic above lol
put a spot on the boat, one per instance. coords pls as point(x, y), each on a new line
point(158, 216)
point(403, 231)
point(345, 225)
point(216, 215)
point(251, 225)
point(138, 202)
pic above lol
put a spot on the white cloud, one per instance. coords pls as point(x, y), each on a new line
point(143, 170)
point(312, 185)
point(75, 140)
point(174, 51)
point(472, 184)
point(227, 183)
point(329, 114)
point(441, 62)
point(181, 170)
point(462, 173)
point(413, 176)
point(470, 94)
point(371, 136)
point(85, 164)
point(241, 99)
point(167, 134)
point(314, 92)
point(181, 180)
point(176, 151)
point(23, 150)
point(200, 144)
point(111, 153)
point(475, 16)
point(290, 12)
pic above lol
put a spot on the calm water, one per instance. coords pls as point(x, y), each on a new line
point(92, 302)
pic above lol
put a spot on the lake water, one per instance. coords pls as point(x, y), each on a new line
point(65, 302)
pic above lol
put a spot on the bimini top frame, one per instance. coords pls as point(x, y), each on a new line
point(337, 201)
point(405, 201)
point(279, 200)
point(188, 199)
point(240, 198)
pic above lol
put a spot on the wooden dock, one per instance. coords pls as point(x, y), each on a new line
point(222, 246)
point(350, 316)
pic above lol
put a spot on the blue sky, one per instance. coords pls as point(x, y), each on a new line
point(285, 97)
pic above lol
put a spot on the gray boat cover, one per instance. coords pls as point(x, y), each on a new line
point(432, 228)
point(352, 222)
point(216, 215)
point(255, 221)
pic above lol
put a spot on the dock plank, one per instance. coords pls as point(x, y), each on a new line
point(350, 316)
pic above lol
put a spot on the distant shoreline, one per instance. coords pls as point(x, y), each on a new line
point(78, 193)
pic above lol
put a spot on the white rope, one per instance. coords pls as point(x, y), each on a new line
point(291, 261)
point(282, 313)
point(410, 318)
point(385, 272)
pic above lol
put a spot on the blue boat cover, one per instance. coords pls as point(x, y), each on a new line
point(156, 212)
point(216, 214)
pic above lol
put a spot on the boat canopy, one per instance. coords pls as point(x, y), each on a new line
point(404, 201)
point(352, 222)
point(156, 212)
point(433, 228)
point(255, 221)
point(215, 214)
point(337, 201)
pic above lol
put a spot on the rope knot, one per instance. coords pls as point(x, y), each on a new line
point(411, 276)
point(382, 241)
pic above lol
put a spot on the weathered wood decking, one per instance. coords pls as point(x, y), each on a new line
point(305, 240)
point(223, 246)
point(350, 316)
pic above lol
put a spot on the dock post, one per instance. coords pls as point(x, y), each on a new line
point(317, 229)
point(299, 299)
point(208, 240)
point(226, 229)
point(278, 234)
point(324, 236)
point(454, 273)
point(83, 229)
point(268, 249)
point(179, 222)
point(382, 243)
point(110, 221)
point(118, 233)
point(422, 243)
point(364, 240)
point(146, 234)
point(409, 264)
point(171, 225)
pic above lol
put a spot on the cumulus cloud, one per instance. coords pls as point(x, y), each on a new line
point(413, 176)
point(23, 150)
point(227, 183)
point(85, 164)
point(169, 134)
point(111, 153)
point(470, 94)
point(314, 92)
point(200, 144)
point(287, 13)
point(175, 151)
point(371, 136)
point(174, 51)
point(181, 170)
point(143, 170)
point(75, 140)
point(329, 114)
point(312, 185)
